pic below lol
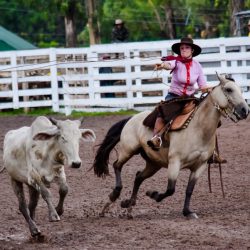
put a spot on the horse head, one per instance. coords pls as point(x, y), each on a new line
point(228, 99)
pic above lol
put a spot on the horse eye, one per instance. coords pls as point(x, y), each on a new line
point(229, 90)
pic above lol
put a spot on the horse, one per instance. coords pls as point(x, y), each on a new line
point(131, 135)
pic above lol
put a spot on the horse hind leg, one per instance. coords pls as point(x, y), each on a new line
point(115, 194)
point(148, 171)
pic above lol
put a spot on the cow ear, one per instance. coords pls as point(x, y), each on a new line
point(46, 135)
point(88, 135)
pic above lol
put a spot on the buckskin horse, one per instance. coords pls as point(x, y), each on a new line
point(187, 148)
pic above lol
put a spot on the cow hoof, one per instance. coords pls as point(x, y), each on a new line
point(54, 218)
point(35, 232)
point(192, 216)
point(40, 238)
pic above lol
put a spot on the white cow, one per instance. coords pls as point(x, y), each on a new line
point(36, 156)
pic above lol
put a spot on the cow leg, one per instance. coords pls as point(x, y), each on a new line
point(173, 172)
point(148, 171)
point(189, 191)
point(46, 194)
point(34, 197)
point(18, 189)
point(63, 190)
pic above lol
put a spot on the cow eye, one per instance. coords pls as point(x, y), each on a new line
point(229, 90)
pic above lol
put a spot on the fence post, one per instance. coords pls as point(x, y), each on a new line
point(137, 70)
point(15, 95)
point(129, 79)
point(66, 97)
point(54, 84)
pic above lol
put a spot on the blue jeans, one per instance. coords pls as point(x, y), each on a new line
point(170, 96)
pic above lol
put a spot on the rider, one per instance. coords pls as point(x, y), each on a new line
point(185, 73)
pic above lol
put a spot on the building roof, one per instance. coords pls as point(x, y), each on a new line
point(10, 41)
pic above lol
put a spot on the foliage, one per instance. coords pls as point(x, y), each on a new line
point(42, 22)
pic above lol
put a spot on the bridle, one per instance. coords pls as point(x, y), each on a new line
point(225, 112)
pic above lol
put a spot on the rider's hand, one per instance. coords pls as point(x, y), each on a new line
point(159, 66)
point(206, 90)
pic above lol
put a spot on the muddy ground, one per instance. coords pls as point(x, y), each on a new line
point(223, 222)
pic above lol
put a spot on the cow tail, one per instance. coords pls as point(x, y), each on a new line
point(112, 137)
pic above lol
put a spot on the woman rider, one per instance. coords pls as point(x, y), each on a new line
point(185, 73)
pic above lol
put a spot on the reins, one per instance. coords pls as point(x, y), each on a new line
point(220, 170)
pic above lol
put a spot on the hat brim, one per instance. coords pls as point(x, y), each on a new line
point(196, 48)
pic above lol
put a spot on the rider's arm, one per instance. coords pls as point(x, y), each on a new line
point(164, 65)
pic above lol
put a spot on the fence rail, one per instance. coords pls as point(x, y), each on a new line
point(70, 79)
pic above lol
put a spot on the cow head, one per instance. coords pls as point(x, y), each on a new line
point(67, 135)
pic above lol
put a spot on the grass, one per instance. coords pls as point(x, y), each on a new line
point(46, 111)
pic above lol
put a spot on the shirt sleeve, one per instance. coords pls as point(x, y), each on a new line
point(201, 77)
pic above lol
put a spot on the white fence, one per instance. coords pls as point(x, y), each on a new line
point(69, 79)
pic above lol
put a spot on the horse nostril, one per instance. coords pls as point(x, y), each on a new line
point(76, 164)
point(244, 112)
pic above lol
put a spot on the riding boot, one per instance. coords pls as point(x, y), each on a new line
point(216, 159)
point(156, 141)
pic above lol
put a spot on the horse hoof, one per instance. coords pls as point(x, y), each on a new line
point(125, 204)
point(153, 195)
point(115, 194)
point(192, 216)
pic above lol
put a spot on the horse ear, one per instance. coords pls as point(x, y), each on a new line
point(222, 78)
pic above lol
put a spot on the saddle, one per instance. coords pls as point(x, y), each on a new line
point(177, 112)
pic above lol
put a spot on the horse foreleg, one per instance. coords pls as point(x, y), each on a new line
point(148, 171)
point(173, 172)
point(189, 191)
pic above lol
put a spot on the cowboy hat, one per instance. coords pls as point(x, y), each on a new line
point(188, 41)
point(118, 21)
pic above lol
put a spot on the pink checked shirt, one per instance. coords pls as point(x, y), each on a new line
point(185, 76)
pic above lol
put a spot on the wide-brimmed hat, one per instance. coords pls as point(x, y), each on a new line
point(118, 21)
point(188, 41)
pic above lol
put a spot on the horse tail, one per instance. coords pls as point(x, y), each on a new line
point(102, 155)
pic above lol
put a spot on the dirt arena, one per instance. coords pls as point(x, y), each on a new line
point(222, 223)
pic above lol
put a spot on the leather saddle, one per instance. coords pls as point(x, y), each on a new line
point(178, 111)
